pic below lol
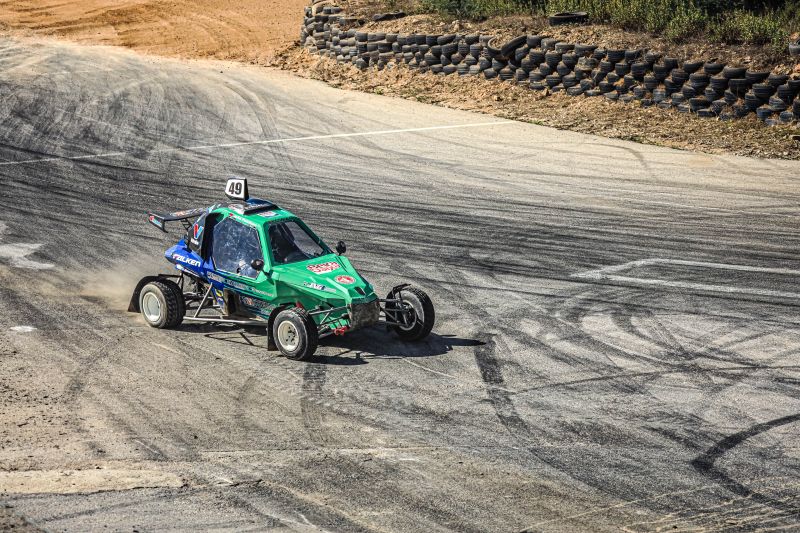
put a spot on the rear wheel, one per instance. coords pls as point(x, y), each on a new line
point(162, 305)
point(295, 334)
point(414, 316)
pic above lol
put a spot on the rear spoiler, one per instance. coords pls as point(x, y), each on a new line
point(160, 220)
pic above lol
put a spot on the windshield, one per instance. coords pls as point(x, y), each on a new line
point(290, 242)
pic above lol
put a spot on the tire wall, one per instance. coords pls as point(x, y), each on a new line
point(537, 62)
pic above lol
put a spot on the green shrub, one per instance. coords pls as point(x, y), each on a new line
point(687, 21)
point(648, 15)
point(745, 27)
point(729, 21)
point(473, 9)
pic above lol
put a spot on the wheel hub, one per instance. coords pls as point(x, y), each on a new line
point(288, 336)
point(151, 306)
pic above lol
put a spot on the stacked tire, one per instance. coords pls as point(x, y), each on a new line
point(707, 88)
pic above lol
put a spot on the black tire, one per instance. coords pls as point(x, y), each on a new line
point(508, 49)
point(420, 304)
point(491, 51)
point(578, 17)
point(756, 76)
point(300, 327)
point(162, 305)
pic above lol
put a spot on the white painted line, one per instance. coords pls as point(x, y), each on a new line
point(23, 329)
point(254, 143)
point(609, 273)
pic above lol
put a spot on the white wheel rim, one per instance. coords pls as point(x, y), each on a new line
point(151, 307)
point(288, 336)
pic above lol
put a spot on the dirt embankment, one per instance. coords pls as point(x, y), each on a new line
point(508, 27)
point(243, 30)
point(266, 32)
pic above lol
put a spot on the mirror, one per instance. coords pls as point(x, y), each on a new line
point(257, 264)
point(341, 248)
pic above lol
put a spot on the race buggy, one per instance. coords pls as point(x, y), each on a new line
point(251, 263)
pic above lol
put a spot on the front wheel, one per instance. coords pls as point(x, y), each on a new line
point(295, 334)
point(414, 317)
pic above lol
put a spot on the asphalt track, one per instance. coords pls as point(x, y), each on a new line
point(616, 345)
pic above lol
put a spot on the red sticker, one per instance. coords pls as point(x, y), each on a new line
point(346, 280)
point(322, 268)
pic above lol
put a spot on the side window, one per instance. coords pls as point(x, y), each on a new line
point(234, 248)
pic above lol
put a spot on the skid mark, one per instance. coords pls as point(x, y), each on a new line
point(706, 463)
point(314, 377)
point(499, 395)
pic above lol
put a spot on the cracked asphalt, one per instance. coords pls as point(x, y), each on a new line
point(593, 367)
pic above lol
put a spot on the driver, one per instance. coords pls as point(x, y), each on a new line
point(282, 246)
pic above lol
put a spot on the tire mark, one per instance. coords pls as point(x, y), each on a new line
point(499, 396)
point(705, 464)
point(314, 377)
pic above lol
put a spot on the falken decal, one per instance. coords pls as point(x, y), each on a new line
point(324, 268)
point(268, 214)
point(188, 260)
point(346, 280)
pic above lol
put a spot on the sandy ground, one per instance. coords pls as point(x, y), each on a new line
point(245, 30)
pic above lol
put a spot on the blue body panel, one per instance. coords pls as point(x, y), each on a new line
point(184, 259)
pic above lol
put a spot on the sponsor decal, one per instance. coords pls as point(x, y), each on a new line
point(323, 268)
point(316, 286)
point(236, 285)
point(242, 287)
point(188, 260)
point(184, 213)
point(153, 220)
point(268, 214)
point(264, 293)
point(255, 302)
point(218, 295)
point(197, 230)
point(346, 280)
